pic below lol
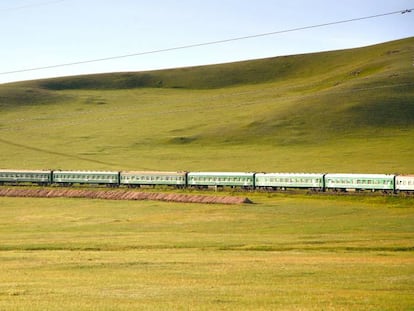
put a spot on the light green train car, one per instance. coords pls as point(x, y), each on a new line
point(220, 179)
point(25, 176)
point(371, 182)
point(142, 178)
point(86, 177)
point(290, 180)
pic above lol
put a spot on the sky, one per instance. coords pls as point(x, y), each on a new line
point(42, 33)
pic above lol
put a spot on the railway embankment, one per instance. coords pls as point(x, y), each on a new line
point(121, 195)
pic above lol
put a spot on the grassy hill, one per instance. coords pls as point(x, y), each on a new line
point(350, 110)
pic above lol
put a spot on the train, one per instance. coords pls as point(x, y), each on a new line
point(322, 182)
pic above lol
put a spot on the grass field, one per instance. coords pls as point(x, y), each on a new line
point(282, 253)
point(343, 111)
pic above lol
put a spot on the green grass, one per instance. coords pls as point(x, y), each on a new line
point(336, 111)
point(282, 253)
point(342, 111)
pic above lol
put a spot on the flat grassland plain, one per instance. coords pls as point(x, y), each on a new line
point(282, 253)
point(341, 111)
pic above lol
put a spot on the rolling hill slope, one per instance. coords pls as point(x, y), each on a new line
point(347, 110)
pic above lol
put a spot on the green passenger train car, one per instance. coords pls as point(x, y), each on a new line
point(42, 177)
point(371, 182)
point(86, 177)
point(141, 178)
point(289, 180)
point(220, 179)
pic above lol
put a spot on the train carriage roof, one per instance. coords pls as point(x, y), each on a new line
point(290, 174)
point(88, 172)
point(152, 173)
point(339, 175)
point(221, 174)
point(25, 171)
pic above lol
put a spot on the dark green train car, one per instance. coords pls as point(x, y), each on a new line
point(41, 177)
point(86, 177)
point(147, 178)
point(221, 179)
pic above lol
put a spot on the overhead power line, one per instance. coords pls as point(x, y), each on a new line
point(405, 11)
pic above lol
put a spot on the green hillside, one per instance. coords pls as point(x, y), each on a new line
point(350, 110)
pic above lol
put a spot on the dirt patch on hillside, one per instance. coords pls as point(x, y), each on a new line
point(120, 195)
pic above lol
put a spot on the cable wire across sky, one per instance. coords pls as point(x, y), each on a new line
point(189, 46)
